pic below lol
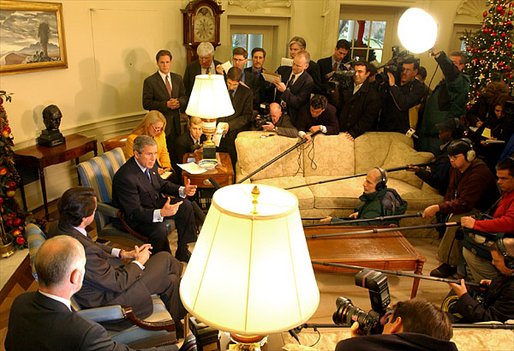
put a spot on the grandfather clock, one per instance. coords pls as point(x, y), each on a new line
point(201, 23)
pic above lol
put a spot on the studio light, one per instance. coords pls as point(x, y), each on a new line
point(417, 30)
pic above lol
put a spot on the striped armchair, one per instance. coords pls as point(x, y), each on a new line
point(97, 173)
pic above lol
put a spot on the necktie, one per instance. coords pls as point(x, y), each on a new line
point(336, 66)
point(147, 173)
point(168, 86)
point(207, 70)
point(290, 81)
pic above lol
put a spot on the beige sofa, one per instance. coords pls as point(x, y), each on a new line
point(334, 156)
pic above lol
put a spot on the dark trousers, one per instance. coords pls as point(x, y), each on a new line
point(157, 232)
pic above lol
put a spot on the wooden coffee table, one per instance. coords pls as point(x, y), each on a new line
point(377, 250)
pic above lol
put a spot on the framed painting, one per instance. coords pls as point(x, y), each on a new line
point(31, 36)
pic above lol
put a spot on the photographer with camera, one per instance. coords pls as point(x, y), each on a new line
point(361, 103)
point(397, 100)
point(415, 325)
point(277, 122)
point(448, 100)
point(498, 302)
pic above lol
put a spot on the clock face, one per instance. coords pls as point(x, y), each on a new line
point(204, 25)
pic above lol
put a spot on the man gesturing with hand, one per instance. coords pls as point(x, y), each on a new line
point(115, 276)
point(144, 198)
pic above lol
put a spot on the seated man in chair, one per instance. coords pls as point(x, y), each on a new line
point(43, 320)
point(144, 198)
point(108, 281)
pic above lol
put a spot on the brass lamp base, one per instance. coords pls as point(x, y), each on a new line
point(247, 342)
point(6, 250)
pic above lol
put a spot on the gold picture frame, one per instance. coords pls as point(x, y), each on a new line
point(32, 37)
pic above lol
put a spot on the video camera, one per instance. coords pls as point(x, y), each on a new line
point(342, 79)
point(369, 322)
point(394, 65)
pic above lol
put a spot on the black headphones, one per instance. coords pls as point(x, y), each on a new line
point(470, 155)
point(509, 260)
point(383, 180)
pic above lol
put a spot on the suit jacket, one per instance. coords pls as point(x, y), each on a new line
point(37, 322)
point(360, 110)
point(136, 196)
point(192, 70)
point(327, 118)
point(263, 92)
point(296, 96)
point(155, 97)
point(107, 279)
point(285, 127)
point(184, 144)
point(242, 103)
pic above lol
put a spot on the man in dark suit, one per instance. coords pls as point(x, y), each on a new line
point(164, 91)
point(108, 281)
point(295, 86)
point(318, 116)
point(266, 90)
point(336, 62)
point(43, 320)
point(240, 59)
point(361, 104)
point(280, 123)
point(204, 65)
point(241, 97)
point(144, 198)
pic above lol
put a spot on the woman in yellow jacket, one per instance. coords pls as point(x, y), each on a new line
point(153, 124)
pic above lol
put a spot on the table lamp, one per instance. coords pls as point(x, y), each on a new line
point(250, 272)
point(209, 100)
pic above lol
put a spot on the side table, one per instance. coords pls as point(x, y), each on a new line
point(38, 157)
point(223, 173)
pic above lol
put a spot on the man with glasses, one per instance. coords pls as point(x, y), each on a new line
point(472, 188)
point(398, 99)
point(206, 64)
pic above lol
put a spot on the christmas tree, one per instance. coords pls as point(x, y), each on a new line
point(12, 219)
point(491, 48)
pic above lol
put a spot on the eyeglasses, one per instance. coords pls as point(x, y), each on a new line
point(156, 129)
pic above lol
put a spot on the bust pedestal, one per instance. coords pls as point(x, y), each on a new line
point(50, 138)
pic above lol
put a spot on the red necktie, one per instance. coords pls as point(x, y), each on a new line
point(168, 86)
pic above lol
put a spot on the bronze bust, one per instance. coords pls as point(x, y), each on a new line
point(51, 136)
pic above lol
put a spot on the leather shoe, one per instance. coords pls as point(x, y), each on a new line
point(189, 344)
point(183, 255)
point(443, 271)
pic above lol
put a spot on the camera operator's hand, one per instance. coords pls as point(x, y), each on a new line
point(392, 81)
point(355, 331)
point(430, 211)
point(459, 289)
point(434, 52)
point(269, 127)
point(354, 215)
point(411, 168)
point(467, 222)
point(327, 219)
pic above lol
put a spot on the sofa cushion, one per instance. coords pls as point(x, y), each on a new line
point(340, 194)
point(254, 151)
point(329, 155)
point(400, 154)
point(371, 149)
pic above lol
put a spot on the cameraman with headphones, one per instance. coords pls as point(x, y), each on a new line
point(498, 302)
point(479, 265)
point(378, 200)
point(472, 187)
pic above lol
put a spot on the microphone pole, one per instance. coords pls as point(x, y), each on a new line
point(295, 146)
point(344, 221)
point(398, 273)
point(357, 175)
point(383, 230)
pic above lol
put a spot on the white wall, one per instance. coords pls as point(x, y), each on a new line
point(111, 46)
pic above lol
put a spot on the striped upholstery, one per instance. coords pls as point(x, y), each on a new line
point(98, 172)
point(35, 238)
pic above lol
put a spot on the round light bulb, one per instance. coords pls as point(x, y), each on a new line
point(417, 30)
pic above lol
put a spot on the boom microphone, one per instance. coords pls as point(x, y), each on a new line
point(214, 183)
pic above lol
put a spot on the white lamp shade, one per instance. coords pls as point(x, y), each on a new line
point(417, 30)
point(209, 97)
point(251, 273)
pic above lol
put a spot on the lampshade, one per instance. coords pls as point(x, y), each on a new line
point(209, 98)
point(417, 30)
point(249, 273)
